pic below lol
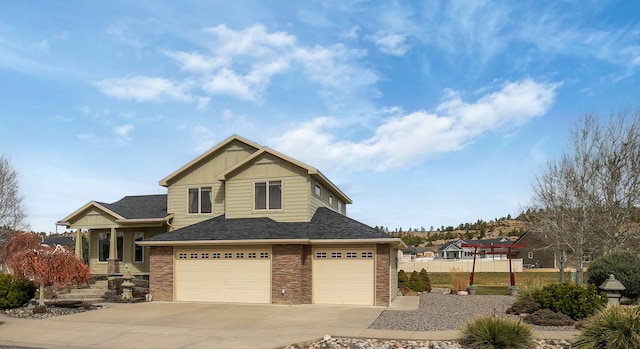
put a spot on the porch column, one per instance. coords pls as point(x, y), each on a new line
point(79, 244)
point(113, 266)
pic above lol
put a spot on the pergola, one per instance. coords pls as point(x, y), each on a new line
point(493, 248)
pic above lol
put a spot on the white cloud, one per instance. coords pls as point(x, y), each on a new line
point(123, 130)
point(350, 34)
point(406, 139)
point(252, 41)
point(195, 62)
point(143, 89)
point(228, 82)
point(62, 118)
point(391, 43)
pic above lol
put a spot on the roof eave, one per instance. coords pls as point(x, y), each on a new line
point(393, 241)
point(224, 242)
point(144, 220)
point(65, 221)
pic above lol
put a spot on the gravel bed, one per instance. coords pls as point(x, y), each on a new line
point(441, 312)
point(372, 343)
point(27, 312)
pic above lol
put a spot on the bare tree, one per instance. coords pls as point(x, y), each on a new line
point(12, 211)
point(588, 197)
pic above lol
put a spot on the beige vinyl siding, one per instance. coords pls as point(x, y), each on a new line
point(203, 175)
point(323, 200)
point(94, 218)
point(393, 273)
point(178, 203)
point(295, 191)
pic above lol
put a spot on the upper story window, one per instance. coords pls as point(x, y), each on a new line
point(340, 208)
point(317, 190)
point(268, 195)
point(200, 200)
point(330, 200)
point(138, 251)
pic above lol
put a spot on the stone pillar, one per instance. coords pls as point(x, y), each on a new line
point(113, 265)
point(161, 272)
point(79, 244)
point(383, 267)
point(291, 274)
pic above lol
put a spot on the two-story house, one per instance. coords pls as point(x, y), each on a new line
point(243, 223)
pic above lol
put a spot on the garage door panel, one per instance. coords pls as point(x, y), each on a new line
point(343, 280)
point(223, 280)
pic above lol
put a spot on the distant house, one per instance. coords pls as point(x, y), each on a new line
point(66, 241)
point(454, 249)
point(538, 252)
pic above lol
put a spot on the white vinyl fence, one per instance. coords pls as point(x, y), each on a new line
point(462, 265)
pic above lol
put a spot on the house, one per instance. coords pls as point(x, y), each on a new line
point(538, 253)
point(243, 223)
point(455, 250)
point(66, 241)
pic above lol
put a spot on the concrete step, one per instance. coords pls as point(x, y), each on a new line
point(88, 300)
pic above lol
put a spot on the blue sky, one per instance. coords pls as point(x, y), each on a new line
point(425, 113)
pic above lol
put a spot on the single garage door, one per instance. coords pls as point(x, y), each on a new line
point(237, 275)
point(343, 275)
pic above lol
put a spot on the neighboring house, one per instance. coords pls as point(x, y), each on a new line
point(66, 241)
point(454, 249)
point(243, 223)
point(538, 252)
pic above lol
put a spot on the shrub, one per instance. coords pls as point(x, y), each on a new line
point(15, 292)
point(416, 282)
point(614, 327)
point(403, 278)
point(577, 301)
point(425, 278)
point(491, 332)
point(526, 305)
point(546, 317)
point(459, 280)
point(624, 265)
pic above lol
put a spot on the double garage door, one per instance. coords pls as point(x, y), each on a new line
point(340, 275)
point(237, 275)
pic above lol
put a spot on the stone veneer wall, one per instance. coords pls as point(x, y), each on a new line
point(291, 272)
point(383, 263)
point(113, 266)
point(161, 272)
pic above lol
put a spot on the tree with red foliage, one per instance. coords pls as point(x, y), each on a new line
point(26, 256)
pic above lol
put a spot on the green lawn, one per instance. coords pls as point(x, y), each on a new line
point(497, 281)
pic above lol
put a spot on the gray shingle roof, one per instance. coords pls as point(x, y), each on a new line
point(325, 224)
point(139, 207)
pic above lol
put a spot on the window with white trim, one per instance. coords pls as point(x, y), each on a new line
point(336, 255)
point(352, 254)
point(240, 255)
point(215, 255)
point(340, 208)
point(138, 251)
point(204, 256)
point(330, 199)
point(251, 255)
point(367, 255)
point(182, 256)
point(318, 190)
point(264, 255)
point(200, 200)
point(268, 195)
point(321, 255)
point(193, 256)
point(228, 255)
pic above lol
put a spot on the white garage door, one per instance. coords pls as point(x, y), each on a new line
point(238, 275)
point(343, 275)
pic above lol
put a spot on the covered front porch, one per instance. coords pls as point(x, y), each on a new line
point(113, 230)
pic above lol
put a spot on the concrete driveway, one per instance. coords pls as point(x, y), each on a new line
point(189, 325)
